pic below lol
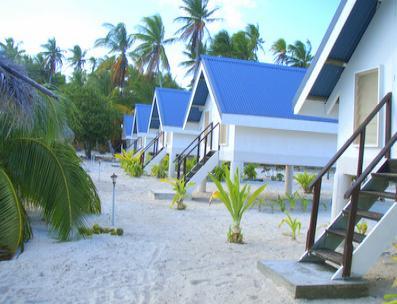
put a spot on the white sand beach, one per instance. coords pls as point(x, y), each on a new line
point(164, 256)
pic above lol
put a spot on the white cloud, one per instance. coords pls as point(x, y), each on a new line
point(233, 12)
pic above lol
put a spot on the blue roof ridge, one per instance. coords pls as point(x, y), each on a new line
point(255, 63)
point(173, 89)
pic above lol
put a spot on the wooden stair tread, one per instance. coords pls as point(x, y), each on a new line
point(357, 237)
point(386, 175)
point(329, 255)
point(388, 195)
point(371, 215)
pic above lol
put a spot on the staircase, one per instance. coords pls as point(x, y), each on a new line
point(153, 148)
point(202, 150)
point(372, 197)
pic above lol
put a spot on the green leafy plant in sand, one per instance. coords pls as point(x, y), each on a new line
point(180, 187)
point(130, 163)
point(304, 180)
point(237, 200)
point(293, 223)
point(250, 172)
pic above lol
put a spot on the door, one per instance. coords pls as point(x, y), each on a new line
point(366, 99)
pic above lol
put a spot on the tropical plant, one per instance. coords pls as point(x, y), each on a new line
point(294, 224)
point(237, 200)
point(53, 57)
point(292, 200)
point(95, 116)
point(280, 201)
point(279, 49)
point(250, 171)
point(196, 17)
point(160, 170)
point(279, 177)
point(304, 180)
point(362, 227)
point(192, 62)
point(255, 40)
point(304, 201)
point(12, 50)
point(77, 60)
point(150, 54)
point(38, 168)
point(180, 187)
point(392, 298)
point(130, 163)
point(219, 172)
point(118, 41)
point(93, 62)
point(300, 54)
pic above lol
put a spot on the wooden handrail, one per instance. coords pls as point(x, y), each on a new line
point(353, 191)
point(192, 142)
point(154, 142)
point(360, 179)
point(208, 132)
point(357, 132)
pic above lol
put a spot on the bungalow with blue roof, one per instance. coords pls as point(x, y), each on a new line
point(244, 110)
point(167, 117)
point(140, 125)
point(126, 135)
point(353, 78)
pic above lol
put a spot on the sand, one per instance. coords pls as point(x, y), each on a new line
point(164, 256)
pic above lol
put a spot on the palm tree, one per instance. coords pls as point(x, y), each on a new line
point(197, 16)
point(11, 49)
point(221, 45)
point(300, 54)
point(191, 64)
point(93, 61)
point(77, 60)
point(255, 40)
point(150, 53)
point(279, 49)
point(37, 167)
point(118, 41)
point(53, 57)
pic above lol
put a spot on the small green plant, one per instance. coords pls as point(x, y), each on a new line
point(293, 223)
point(292, 200)
point(237, 200)
point(159, 171)
point(304, 180)
point(392, 298)
point(130, 163)
point(362, 227)
point(219, 172)
point(180, 187)
point(249, 171)
point(304, 202)
point(280, 177)
point(280, 201)
point(96, 229)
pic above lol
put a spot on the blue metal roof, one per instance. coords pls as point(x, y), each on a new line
point(142, 115)
point(172, 104)
point(343, 49)
point(249, 88)
point(127, 125)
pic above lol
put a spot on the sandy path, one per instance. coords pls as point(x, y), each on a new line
point(165, 256)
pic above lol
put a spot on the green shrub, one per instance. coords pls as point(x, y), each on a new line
point(280, 177)
point(130, 163)
point(237, 200)
point(219, 172)
point(180, 187)
point(304, 180)
point(96, 229)
point(249, 171)
point(294, 224)
point(161, 170)
point(190, 163)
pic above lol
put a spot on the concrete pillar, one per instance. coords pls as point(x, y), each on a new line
point(234, 165)
point(289, 177)
point(171, 165)
point(203, 186)
point(342, 182)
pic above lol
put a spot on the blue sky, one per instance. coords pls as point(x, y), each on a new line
point(80, 22)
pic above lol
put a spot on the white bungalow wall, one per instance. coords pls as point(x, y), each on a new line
point(272, 146)
point(377, 49)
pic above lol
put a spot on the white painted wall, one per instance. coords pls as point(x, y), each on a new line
point(298, 146)
point(377, 49)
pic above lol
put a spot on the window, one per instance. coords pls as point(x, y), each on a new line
point(366, 99)
point(223, 130)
